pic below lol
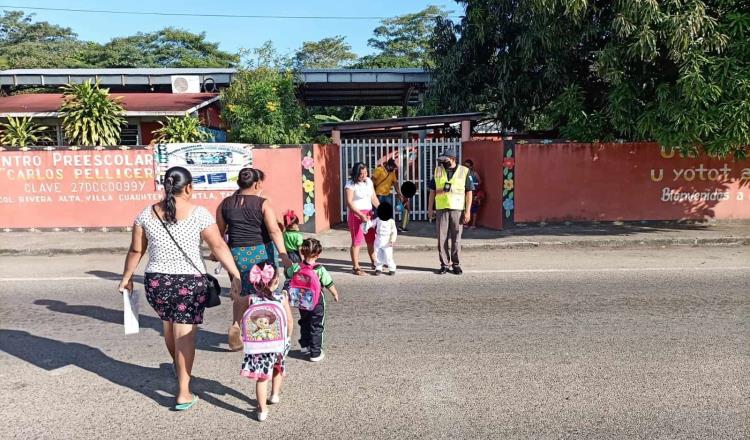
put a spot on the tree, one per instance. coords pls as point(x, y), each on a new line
point(260, 106)
point(331, 52)
point(28, 44)
point(169, 47)
point(403, 41)
point(90, 116)
point(180, 130)
point(22, 132)
point(674, 72)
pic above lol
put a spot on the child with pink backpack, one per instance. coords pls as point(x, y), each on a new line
point(305, 290)
point(266, 330)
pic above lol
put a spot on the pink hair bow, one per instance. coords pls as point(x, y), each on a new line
point(258, 275)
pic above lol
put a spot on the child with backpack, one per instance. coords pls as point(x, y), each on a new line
point(306, 283)
point(385, 237)
point(266, 329)
point(292, 237)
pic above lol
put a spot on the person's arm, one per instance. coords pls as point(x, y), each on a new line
point(334, 292)
point(289, 317)
point(394, 232)
point(220, 222)
point(138, 246)
point(220, 250)
point(272, 224)
point(468, 199)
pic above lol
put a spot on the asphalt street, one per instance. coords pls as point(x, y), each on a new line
point(575, 343)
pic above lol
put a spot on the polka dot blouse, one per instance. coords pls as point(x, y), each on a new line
point(163, 255)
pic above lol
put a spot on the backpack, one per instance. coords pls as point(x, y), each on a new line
point(264, 327)
point(304, 288)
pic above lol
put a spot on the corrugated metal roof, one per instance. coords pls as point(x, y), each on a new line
point(136, 104)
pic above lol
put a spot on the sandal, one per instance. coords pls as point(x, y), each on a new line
point(358, 271)
point(187, 405)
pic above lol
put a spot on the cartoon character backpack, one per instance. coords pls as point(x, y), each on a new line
point(304, 288)
point(264, 327)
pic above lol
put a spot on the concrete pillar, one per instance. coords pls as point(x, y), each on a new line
point(465, 131)
point(336, 137)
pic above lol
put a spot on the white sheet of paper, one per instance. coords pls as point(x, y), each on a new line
point(130, 304)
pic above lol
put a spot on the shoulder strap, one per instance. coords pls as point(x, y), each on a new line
point(184, 254)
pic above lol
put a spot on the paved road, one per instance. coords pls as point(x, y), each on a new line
point(528, 344)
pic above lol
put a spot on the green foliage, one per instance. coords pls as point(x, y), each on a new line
point(28, 44)
point(169, 47)
point(677, 72)
point(329, 52)
point(404, 41)
point(25, 43)
point(179, 130)
point(261, 107)
point(22, 132)
point(90, 116)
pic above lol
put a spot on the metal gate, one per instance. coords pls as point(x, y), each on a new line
point(416, 161)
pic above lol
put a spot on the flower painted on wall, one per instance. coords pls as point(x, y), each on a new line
point(509, 205)
point(509, 163)
point(307, 162)
point(308, 186)
point(508, 184)
point(308, 209)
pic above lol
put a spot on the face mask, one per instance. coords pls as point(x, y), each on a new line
point(446, 164)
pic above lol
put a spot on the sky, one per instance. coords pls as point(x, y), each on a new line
point(232, 34)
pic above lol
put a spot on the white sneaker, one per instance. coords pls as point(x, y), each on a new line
point(262, 416)
point(273, 400)
point(318, 358)
point(305, 351)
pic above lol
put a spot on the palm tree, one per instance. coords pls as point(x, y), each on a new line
point(180, 130)
point(22, 132)
point(90, 116)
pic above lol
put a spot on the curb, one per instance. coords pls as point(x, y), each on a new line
point(507, 245)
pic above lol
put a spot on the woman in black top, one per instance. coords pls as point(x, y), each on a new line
point(254, 237)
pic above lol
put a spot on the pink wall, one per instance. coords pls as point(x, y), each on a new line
point(283, 184)
point(327, 186)
point(634, 181)
point(488, 162)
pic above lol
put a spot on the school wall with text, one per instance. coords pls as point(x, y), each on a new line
point(97, 188)
point(629, 182)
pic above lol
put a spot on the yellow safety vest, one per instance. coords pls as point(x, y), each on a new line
point(456, 197)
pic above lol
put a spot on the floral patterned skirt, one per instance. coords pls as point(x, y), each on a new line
point(180, 299)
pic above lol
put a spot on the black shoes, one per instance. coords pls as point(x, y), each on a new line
point(442, 271)
point(457, 270)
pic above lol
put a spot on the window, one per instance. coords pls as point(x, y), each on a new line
point(52, 132)
point(130, 135)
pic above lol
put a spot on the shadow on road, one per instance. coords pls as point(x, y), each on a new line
point(345, 266)
point(206, 340)
point(153, 383)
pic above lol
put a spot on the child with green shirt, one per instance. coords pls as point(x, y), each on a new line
point(292, 237)
point(312, 321)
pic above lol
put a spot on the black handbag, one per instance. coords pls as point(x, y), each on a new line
point(213, 289)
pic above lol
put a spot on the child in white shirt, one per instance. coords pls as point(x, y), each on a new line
point(385, 237)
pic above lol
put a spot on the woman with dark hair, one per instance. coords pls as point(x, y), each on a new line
point(360, 200)
point(254, 237)
point(172, 231)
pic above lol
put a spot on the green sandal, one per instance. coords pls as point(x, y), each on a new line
point(187, 405)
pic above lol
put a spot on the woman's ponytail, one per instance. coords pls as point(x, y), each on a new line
point(175, 181)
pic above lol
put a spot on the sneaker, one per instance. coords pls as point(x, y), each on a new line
point(262, 416)
point(457, 270)
point(378, 272)
point(391, 272)
point(442, 271)
point(318, 358)
point(274, 400)
point(305, 351)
